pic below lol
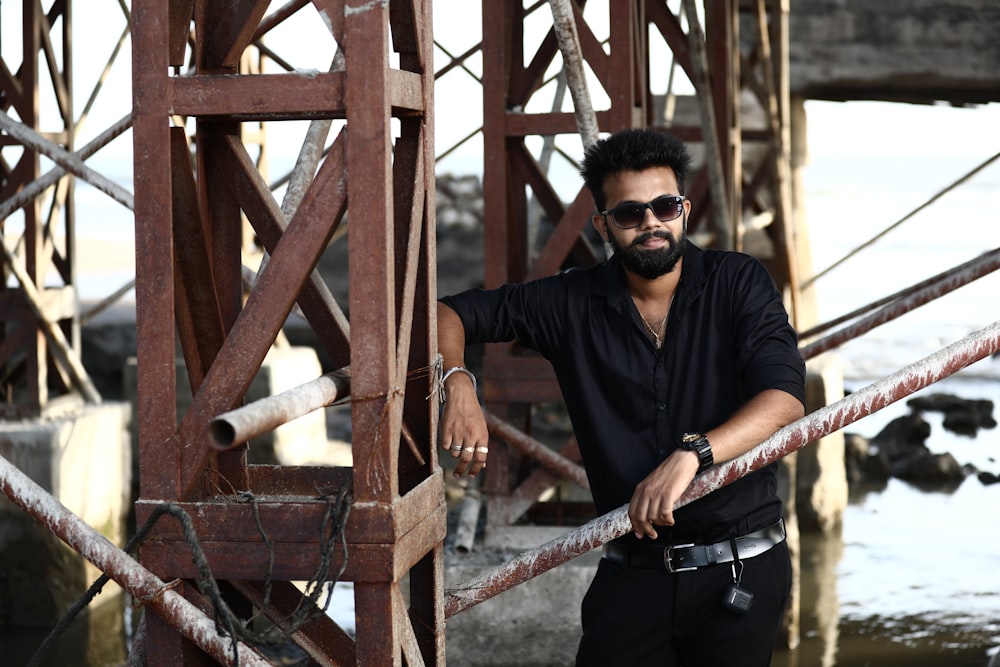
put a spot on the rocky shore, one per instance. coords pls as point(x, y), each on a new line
point(900, 450)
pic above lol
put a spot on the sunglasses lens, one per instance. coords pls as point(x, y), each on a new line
point(629, 215)
point(666, 208)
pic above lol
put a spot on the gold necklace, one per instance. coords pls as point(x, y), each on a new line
point(655, 332)
point(657, 340)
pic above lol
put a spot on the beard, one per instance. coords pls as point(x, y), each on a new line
point(651, 264)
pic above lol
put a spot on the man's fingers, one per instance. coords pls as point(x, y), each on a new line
point(471, 460)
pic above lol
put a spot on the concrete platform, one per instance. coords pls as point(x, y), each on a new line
point(531, 625)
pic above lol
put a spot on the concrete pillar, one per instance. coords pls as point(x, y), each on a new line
point(82, 458)
point(807, 313)
point(821, 475)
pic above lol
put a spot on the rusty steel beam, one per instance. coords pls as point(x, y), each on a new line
point(942, 284)
point(145, 587)
point(31, 139)
point(786, 440)
point(552, 460)
point(62, 350)
point(37, 187)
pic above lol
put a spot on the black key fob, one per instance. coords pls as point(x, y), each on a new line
point(737, 599)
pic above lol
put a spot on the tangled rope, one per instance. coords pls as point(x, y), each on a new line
point(227, 622)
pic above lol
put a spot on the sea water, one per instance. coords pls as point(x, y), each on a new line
point(917, 573)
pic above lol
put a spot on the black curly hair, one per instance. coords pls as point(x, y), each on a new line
point(633, 150)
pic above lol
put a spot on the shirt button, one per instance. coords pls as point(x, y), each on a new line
point(663, 452)
point(660, 407)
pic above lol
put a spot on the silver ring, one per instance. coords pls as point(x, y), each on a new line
point(468, 449)
point(456, 448)
point(482, 450)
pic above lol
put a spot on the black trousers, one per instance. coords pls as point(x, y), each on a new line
point(634, 616)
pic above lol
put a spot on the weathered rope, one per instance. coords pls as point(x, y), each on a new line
point(331, 532)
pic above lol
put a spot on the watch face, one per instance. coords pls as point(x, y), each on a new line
point(691, 437)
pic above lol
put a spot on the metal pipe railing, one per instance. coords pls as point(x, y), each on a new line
point(552, 460)
point(906, 291)
point(796, 435)
point(144, 586)
point(941, 285)
point(233, 428)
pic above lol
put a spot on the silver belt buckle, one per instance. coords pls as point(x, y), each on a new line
point(668, 555)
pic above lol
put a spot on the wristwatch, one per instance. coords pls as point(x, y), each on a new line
point(697, 443)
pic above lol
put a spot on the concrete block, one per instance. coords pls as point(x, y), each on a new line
point(821, 476)
point(84, 460)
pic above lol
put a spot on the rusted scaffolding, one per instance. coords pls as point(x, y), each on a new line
point(189, 280)
point(39, 330)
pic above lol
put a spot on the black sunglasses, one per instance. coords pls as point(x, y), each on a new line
point(627, 216)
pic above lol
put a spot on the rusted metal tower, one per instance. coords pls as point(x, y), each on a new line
point(190, 197)
point(39, 329)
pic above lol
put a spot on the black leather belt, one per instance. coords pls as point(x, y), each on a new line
point(683, 557)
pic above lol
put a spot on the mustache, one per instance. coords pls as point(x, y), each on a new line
point(659, 233)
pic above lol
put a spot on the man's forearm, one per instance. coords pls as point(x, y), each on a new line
point(451, 336)
point(756, 421)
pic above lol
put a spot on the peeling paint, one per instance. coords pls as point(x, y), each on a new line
point(367, 7)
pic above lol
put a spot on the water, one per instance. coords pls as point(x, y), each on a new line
point(913, 578)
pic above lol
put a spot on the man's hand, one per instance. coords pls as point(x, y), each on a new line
point(655, 496)
point(463, 427)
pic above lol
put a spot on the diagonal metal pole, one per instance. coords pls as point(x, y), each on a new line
point(564, 24)
point(938, 287)
point(68, 161)
point(796, 435)
point(39, 185)
point(145, 586)
point(552, 460)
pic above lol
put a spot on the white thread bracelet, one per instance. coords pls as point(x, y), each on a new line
point(443, 393)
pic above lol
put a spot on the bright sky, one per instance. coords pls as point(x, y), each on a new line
point(835, 129)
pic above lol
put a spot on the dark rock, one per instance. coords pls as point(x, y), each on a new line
point(961, 415)
point(903, 437)
point(932, 471)
point(987, 478)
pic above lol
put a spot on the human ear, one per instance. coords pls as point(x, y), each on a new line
point(601, 225)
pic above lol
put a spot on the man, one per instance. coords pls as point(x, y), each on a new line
point(669, 358)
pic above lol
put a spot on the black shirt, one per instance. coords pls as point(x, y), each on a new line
point(727, 339)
